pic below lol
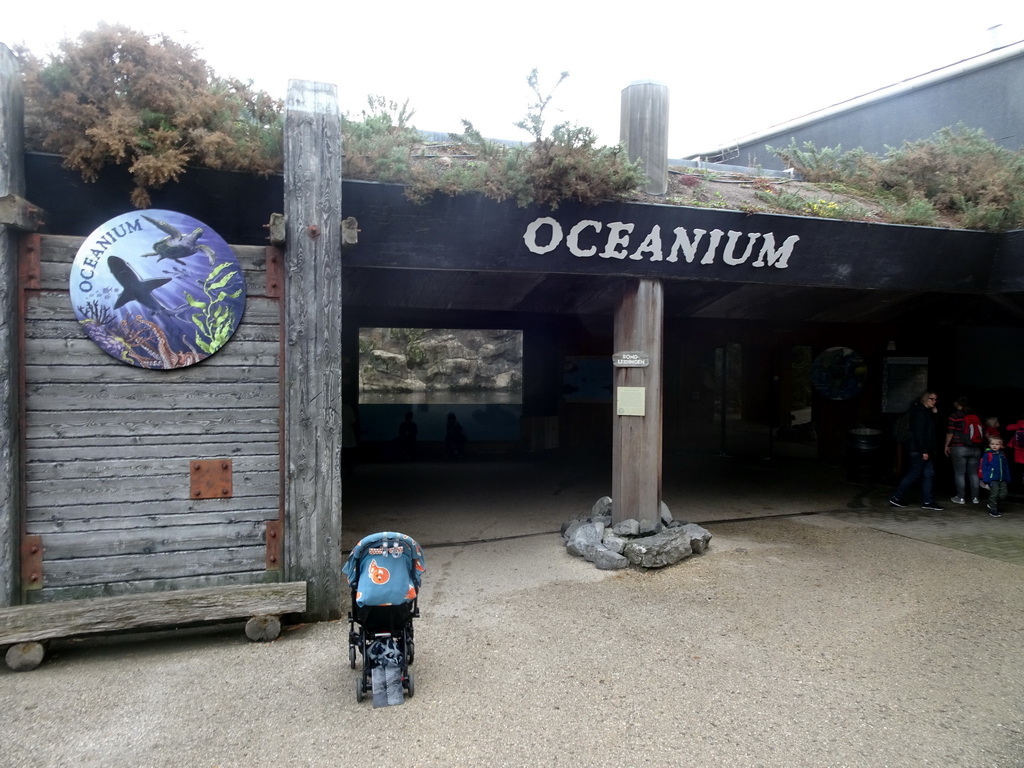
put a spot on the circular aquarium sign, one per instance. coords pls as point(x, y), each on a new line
point(839, 373)
point(157, 289)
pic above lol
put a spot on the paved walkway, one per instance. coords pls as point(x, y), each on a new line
point(809, 635)
point(968, 528)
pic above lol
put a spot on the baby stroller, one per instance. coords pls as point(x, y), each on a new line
point(384, 572)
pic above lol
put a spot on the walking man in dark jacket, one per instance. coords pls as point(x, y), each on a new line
point(922, 453)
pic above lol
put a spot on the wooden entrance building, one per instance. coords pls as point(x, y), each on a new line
point(100, 460)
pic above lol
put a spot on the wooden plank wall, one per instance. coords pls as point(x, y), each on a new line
point(108, 448)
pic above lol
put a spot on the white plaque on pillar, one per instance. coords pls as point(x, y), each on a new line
point(629, 401)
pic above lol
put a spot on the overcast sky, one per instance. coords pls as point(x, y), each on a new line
point(732, 68)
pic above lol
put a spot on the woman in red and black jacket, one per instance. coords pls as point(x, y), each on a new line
point(963, 452)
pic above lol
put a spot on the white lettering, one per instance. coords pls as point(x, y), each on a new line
point(651, 245)
point(709, 256)
point(779, 258)
point(573, 241)
point(728, 258)
point(615, 237)
point(530, 236)
point(683, 241)
point(545, 234)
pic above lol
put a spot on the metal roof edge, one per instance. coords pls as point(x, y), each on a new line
point(962, 67)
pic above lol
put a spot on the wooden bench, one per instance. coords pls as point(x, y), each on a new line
point(25, 627)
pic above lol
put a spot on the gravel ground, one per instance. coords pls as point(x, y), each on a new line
point(792, 642)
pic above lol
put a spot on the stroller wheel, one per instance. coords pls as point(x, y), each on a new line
point(352, 656)
point(408, 646)
point(409, 685)
point(359, 689)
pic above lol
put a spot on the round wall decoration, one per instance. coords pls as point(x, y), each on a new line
point(839, 373)
point(157, 289)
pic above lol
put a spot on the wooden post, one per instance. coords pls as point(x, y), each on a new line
point(12, 182)
point(312, 348)
point(636, 439)
point(643, 128)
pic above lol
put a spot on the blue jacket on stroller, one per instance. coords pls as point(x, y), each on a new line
point(385, 569)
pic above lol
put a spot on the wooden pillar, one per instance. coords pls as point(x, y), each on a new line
point(12, 182)
point(312, 348)
point(643, 128)
point(636, 435)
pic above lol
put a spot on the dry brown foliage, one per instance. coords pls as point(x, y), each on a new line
point(118, 96)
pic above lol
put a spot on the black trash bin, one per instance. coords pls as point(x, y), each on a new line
point(863, 454)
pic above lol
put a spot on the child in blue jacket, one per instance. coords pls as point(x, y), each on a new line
point(995, 473)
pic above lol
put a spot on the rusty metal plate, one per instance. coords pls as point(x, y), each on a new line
point(275, 271)
point(273, 545)
point(32, 562)
point(29, 270)
point(211, 479)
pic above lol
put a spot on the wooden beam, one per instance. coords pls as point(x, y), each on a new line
point(12, 182)
point(636, 438)
point(18, 213)
point(71, 618)
point(312, 344)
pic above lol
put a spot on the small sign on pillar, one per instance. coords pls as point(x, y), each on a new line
point(630, 401)
point(631, 360)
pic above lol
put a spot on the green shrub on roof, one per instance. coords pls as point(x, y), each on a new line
point(958, 171)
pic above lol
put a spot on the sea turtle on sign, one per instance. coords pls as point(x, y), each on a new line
point(177, 246)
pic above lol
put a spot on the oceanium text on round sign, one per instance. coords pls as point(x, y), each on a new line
point(157, 289)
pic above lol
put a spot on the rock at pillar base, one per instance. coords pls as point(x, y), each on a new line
point(585, 539)
point(630, 542)
point(659, 550)
point(699, 538)
point(606, 560)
